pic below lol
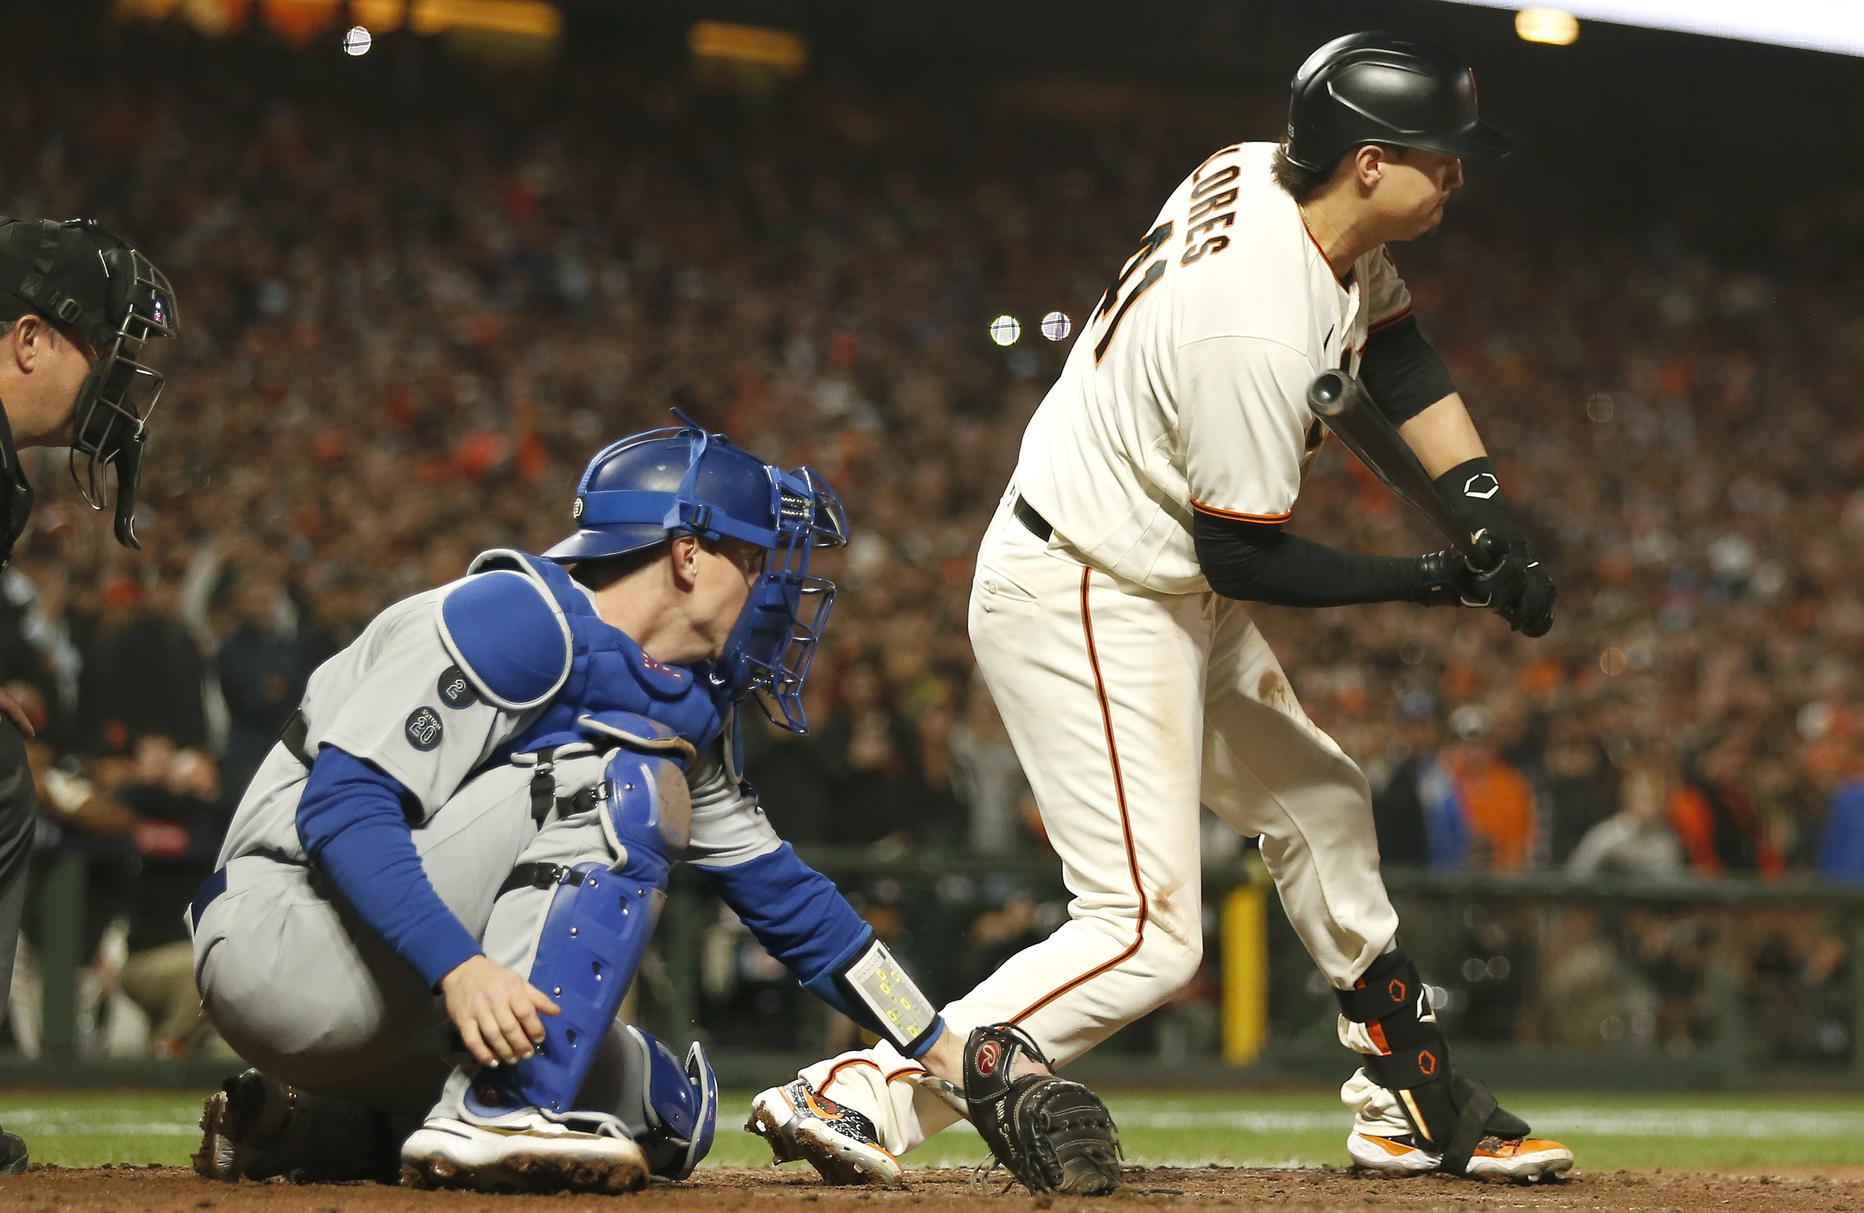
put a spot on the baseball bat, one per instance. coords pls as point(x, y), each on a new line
point(1347, 407)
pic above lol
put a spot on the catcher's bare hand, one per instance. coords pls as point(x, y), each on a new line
point(496, 1011)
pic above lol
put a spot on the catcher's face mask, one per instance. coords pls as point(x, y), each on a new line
point(111, 418)
point(774, 641)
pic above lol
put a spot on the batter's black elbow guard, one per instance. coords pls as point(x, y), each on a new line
point(1403, 372)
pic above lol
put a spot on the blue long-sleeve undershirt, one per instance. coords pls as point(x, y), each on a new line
point(352, 824)
point(798, 914)
point(1841, 845)
point(802, 919)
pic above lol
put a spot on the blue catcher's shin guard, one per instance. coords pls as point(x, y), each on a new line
point(597, 927)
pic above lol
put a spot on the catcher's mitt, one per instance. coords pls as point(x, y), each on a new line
point(1052, 1134)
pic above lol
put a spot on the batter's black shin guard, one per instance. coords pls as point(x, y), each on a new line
point(1448, 1111)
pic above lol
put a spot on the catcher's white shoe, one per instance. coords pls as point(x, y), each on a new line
point(797, 1122)
point(525, 1152)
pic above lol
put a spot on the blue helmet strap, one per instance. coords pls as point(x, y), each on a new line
point(685, 502)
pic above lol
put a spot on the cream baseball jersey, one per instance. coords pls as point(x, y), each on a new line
point(1186, 389)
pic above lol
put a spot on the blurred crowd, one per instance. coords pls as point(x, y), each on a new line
point(416, 296)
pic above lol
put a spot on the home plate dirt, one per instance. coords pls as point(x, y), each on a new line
point(165, 1189)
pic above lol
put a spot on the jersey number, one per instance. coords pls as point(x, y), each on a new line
point(1113, 303)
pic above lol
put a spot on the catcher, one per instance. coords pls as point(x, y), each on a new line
point(441, 882)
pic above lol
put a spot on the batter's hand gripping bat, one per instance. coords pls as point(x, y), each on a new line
point(1344, 404)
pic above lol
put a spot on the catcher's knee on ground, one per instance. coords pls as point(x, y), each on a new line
point(286, 983)
point(256, 1127)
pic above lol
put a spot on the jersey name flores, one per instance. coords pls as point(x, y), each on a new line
point(1186, 390)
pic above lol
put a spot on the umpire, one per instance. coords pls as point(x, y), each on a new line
point(79, 309)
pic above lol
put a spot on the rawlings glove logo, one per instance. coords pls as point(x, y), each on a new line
point(987, 1058)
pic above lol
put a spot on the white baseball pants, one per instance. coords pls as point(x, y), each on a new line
point(1128, 709)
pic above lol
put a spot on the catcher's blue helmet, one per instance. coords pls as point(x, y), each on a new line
point(646, 488)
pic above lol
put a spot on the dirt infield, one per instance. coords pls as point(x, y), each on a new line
point(162, 1189)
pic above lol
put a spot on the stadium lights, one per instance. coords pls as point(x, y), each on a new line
point(357, 40)
point(781, 50)
point(1005, 330)
point(302, 18)
point(379, 16)
point(1832, 26)
point(373, 16)
point(1548, 26)
point(525, 18)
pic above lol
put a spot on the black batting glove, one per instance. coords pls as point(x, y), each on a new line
point(1516, 587)
point(1521, 591)
point(1445, 579)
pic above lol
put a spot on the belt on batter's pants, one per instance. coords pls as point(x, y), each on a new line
point(210, 891)
point(1037, 524)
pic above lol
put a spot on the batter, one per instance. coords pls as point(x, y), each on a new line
point(1109, 618)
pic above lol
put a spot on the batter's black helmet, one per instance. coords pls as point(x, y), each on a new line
point(1381, 88)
